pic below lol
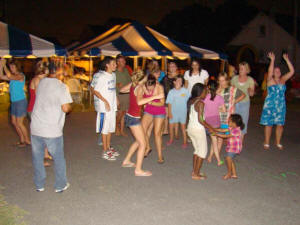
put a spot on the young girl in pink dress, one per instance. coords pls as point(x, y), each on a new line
point(213, 105)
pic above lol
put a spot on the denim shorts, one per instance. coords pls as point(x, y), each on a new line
point(231, 154)
point(156, 116)
point(131, 121)
point(19, 108)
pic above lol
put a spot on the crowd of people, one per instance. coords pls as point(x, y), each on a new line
point(165, 103)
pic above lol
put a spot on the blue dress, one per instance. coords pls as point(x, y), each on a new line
point(274, 107)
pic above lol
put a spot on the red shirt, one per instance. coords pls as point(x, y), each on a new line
point(134, 109)
point(31, 100)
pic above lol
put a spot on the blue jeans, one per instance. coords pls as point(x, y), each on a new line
point(242, 108)
point(56, 149)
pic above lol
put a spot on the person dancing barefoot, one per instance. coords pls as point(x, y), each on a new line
point(133, 120)
point(196, 129)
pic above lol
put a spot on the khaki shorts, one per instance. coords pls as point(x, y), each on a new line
point(124, 101)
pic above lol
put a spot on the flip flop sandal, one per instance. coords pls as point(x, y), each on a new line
point(128, 165)
point(144, 174)
point(221, 163)
point(266, 146)
point(225, 177)
point(21, 144)
point(279, 146)
point(234, 177)
point(199, 177)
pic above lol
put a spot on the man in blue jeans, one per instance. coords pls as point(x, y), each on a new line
point(48, 117)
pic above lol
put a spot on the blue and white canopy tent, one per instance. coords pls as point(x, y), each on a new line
point(17, 43)
point(135, 39)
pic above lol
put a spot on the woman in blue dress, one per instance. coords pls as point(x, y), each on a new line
point(274, 107)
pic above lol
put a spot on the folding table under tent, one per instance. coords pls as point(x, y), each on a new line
point(135, 39)
point(17, 43)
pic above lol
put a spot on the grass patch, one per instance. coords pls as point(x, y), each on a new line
point(10, 215)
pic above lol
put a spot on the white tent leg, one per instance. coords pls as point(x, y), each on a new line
point(90, 71)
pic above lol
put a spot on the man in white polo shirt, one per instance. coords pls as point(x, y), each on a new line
point(103, 87)
point(47, 121)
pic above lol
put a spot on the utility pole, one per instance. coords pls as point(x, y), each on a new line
point(295, 32)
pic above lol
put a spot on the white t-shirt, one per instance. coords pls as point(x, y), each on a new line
point(195, 78)
point(105, 84)
point(48, 119)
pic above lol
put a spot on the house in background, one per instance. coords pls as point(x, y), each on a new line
point(259, 36)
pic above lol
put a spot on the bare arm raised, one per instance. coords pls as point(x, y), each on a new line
point(271, 56)
point(291, 72)
point(2, 76)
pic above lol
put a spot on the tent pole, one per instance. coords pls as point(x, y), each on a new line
point(163, 63)
point(135, 62)
point(222, 65)
point(90, 71)
point(144, 63)
point(189, 60)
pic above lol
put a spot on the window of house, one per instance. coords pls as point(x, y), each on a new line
point(262, 31)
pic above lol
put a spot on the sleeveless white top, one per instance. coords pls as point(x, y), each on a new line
point(193, 120)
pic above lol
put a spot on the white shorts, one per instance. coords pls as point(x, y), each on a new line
point(106, 122)
point(198, 137)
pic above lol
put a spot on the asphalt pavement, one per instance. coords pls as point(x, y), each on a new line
point(102, 193)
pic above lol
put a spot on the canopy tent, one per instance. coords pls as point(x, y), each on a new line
point(15, 42)
point(135, 39)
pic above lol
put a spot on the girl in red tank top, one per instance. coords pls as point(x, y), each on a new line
point(132, 120)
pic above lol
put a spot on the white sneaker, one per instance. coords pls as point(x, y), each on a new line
point(61, 190)
point(113, 151)
point(108, 156)
point(40, 189)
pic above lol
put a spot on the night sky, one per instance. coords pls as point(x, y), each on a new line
point(66, 19)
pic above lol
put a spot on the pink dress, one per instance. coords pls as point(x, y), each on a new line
point(212, 110)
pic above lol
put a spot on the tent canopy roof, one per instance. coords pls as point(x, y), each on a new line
point(135, 39)
point(15, 42)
